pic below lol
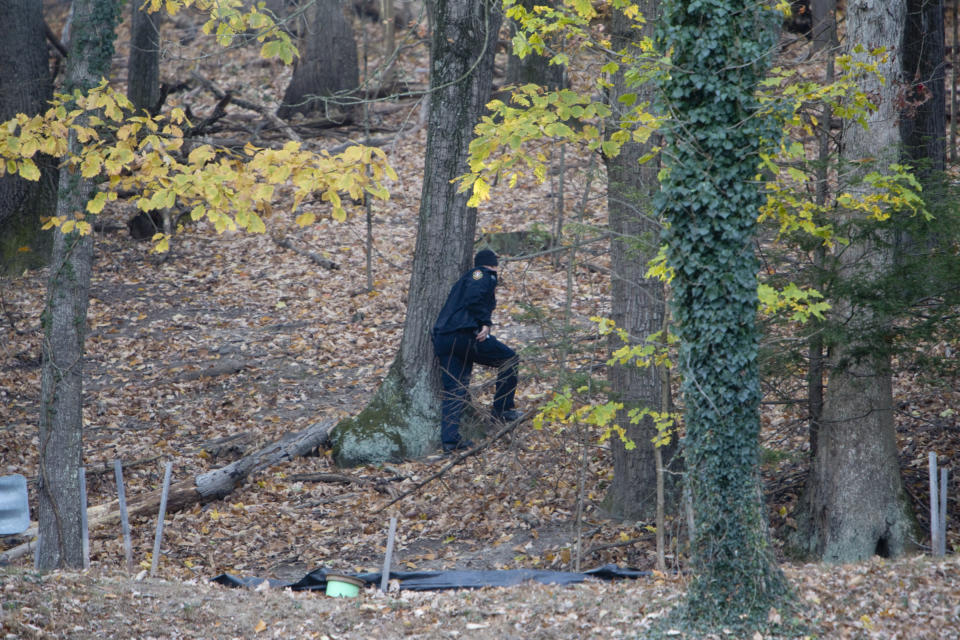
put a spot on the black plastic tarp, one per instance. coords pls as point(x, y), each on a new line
point(316, 580)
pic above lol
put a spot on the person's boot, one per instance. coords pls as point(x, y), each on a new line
point(510, 415)
point(459, 445)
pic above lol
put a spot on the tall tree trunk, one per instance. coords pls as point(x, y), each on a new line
point(327, 70)
point(535, 68)
point(711, 200)
point(143, 68)
point(825, 40)
point(923, 123)
point(854, 505)
point(25, 87)
point(823, 31)
point(65, 316)
point(402, 419)
point(638, 305)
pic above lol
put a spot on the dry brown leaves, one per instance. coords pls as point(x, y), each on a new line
point(909, 599)
point(300, 343)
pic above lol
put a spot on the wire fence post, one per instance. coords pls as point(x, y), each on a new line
point(938, 508)
point(84, 531)
point(943, 512)
point(154, 561)
point(388, 558)
point(124, 521)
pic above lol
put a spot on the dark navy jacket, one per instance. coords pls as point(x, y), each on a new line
point(470, 303)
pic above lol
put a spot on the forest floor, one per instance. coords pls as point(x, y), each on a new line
point(236, 339)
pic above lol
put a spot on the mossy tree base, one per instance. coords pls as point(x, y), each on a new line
point(402, 421)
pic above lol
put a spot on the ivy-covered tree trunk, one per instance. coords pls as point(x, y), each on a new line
point(64, 319)
point(403, 418)
point(327, 69)
point(854, 505)
point(25, 87)
point(637, 303)
point(720, 50)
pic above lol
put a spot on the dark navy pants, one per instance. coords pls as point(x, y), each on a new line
point(457, 351)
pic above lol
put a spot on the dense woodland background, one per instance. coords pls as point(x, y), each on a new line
point(226, 343)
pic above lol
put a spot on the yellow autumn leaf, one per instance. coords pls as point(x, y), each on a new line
point(90, 166)
point(68, 226)
point(96, 204)
point(161, 243)
point(481, 192)
point(28, 170)
point(200, 155)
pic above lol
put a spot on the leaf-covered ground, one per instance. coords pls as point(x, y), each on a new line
point(914, 598)
point(238, 336)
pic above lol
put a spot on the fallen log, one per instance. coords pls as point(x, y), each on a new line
point(212, 485)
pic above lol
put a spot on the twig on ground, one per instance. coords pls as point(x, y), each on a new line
point(323, 262)
point(472, 451)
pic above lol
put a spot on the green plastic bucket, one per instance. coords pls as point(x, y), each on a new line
point(340, 586)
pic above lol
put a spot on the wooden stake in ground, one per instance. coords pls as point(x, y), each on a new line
point(124, 520)
point(163, 508)
point(938, 509)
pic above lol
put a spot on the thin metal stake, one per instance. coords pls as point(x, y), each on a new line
point(943, 512)
point(934, 507)
point(163, 509)
point(124, 521)
point(85, 533)
point(388, 559)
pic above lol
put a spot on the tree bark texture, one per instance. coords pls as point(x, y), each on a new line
point(823, 20)
point(638, 305)
point(64, 318)
point(854, 505)
point(535, 68)
point(327, 70)
point(923, 121)
point(402, 420)
point(143, 68)
point(25, 87)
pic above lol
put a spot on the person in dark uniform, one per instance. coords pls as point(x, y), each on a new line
point(461, 337)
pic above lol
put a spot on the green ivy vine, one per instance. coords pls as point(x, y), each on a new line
point(710, 197)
